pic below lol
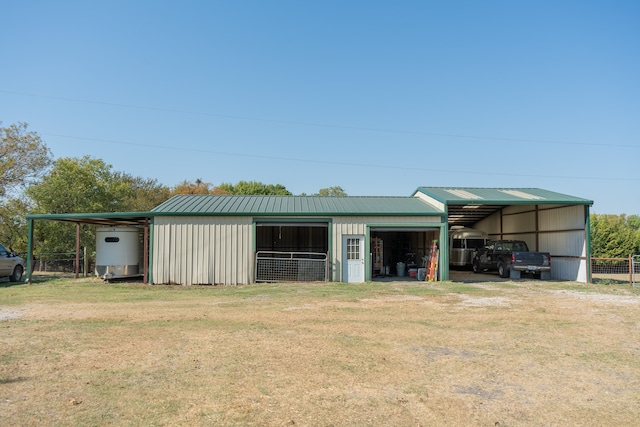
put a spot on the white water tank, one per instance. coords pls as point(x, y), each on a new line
point(117, 252)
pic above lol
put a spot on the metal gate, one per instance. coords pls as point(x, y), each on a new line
point(273, 266)
point(635, 270)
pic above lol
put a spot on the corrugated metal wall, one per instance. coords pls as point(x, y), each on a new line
point(219, 250)
point(557, 230)
point(202, 250)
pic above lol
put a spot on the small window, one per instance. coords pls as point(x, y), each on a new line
point(353, 248)
point(112, 239)
point(475, 243)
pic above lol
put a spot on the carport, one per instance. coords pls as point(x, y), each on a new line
point(547, 221)
point(141, 220)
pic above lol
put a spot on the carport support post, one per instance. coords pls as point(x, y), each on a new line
point(77, 250)
point(145, 251)
point(29, 264)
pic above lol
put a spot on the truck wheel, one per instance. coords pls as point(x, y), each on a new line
point(503, 271)
point(17, 274)
point(476, 267)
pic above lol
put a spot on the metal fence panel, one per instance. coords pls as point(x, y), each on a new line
point(614, 269)
point(636, 270)
point(273, 266)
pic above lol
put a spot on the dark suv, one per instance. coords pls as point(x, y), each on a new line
point(11, 265)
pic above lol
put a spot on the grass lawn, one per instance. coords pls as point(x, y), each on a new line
point(84, 352)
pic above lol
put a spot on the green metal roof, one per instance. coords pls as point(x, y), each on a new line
point(467, 205)
point(203, 205)
point(503, 196)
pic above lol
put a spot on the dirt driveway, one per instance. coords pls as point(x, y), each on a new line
point(399, 353)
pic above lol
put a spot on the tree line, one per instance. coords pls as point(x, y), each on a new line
point(32, 181)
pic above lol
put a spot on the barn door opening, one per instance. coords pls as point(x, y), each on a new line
point(292, 252)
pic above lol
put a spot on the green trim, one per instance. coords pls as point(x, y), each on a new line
point(29, 250)
point(151, 251)
point(443, 244)
point(587, 230)
point(298, 214)
point(289, 220)
point(275, 220)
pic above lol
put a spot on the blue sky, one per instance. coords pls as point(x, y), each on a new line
point(378, 97)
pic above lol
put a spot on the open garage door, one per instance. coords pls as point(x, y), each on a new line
point(400, 251)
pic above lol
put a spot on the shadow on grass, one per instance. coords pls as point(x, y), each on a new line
point(12, 380)
point(598, 281)
point(35, 278)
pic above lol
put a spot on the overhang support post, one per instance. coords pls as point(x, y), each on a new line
point(30, 259)
point(77, 250)
point(145, 251)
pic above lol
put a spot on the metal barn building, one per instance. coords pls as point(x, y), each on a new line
point(206, 239)
point(230, 240)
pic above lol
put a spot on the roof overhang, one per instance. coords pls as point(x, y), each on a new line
point(103, 219)
point(467, 206)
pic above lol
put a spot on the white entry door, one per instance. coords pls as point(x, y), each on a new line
point(353, 259)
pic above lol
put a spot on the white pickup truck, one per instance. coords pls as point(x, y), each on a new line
point(11, 265)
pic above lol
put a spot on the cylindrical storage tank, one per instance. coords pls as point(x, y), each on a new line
point(400, 269)
point(117, 252)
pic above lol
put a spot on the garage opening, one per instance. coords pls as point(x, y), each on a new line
point(400, 252)
point(292, 252)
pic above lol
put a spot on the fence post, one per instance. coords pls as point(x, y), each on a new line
point(631, 270)
point(86, 262)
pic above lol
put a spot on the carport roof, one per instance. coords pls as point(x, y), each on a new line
point(505, 196)
point(467, 205)
point(233, 205)
point(104, 219)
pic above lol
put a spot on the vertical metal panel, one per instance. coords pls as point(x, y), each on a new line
point(518, 220)
point(202, 250)
point(568, 217)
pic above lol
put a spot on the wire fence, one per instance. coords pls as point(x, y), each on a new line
point(616, 270)
point(58, 263)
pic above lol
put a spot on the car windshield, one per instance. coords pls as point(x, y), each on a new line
point(512, 246)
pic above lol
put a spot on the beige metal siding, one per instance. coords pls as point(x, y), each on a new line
point(202, 250)
point(563, 235)
point(219, 250)
point(560, 231)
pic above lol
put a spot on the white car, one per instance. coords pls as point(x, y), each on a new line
point(11, 265)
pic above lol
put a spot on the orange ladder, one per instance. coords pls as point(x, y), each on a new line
point(432, 265)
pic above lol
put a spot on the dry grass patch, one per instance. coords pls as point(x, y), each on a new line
point(512, 353)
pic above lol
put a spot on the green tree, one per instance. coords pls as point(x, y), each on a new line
point(23, 157)
point(13, 224)
point(253, 188)
point(140, 194)
point(77, 185)
point(193, 187)
point(332, 191)
point(613, 236)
